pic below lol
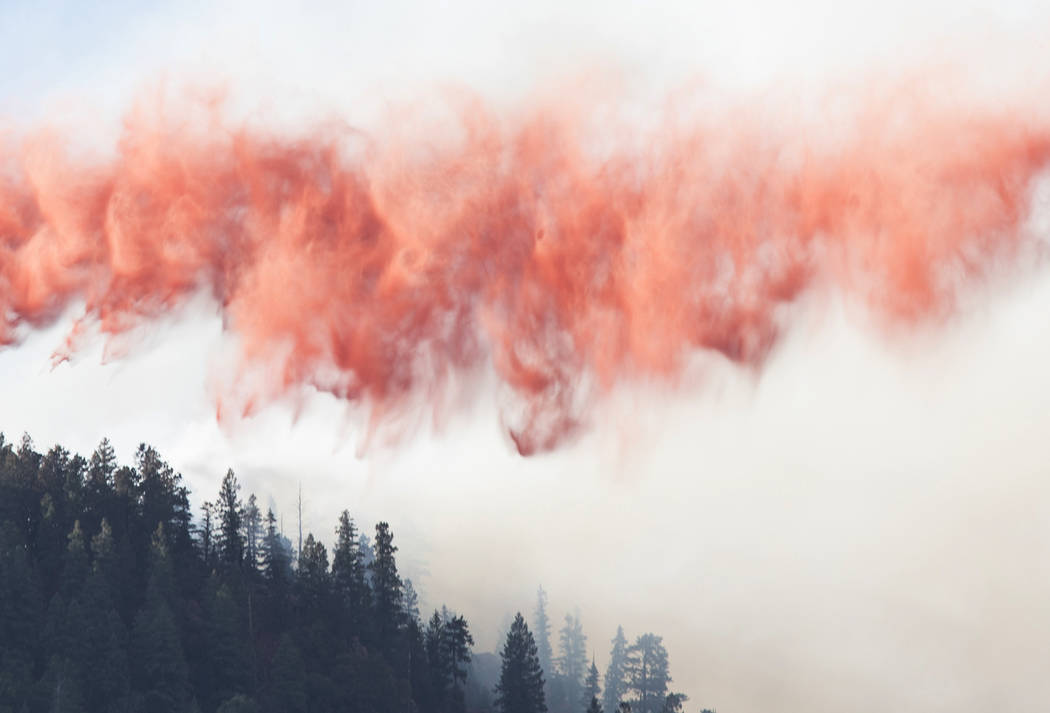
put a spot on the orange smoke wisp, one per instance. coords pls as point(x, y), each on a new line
point(378, 269)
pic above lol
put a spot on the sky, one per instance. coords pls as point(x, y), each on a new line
point(859, 526)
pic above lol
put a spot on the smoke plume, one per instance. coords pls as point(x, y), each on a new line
point(561, 245)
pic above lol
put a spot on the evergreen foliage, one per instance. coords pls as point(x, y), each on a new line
point(520, 688)
point(615, 674)
point(113, 600)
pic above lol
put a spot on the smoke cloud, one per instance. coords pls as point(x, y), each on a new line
point(562, 244)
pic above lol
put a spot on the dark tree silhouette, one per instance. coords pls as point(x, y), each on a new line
point(386, 584)
point(231, 514)
point(520, 687)
point(112, 600)
point(592, 690)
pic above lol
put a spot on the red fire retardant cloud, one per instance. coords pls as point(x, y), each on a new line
point(550, 245)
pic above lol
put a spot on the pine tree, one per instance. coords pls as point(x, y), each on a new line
point(98, 487)
point(231, 516)
point(276, 557)
point(386, 584)
point(277, 575)
point(291, 654)
point(410, 601)
point(595, 706)
point(105, 555)
point(102, 633)
point(312, 575)
point(647, 673)
point(102, 465)
point(615, 674)
point(253, 532)
point(207, 534)
point(77, 567)
point(542, 626)
point(435, 665)
point(520, 687)
point(592, 690)
point(448, 641)
point(227, 647)
point(348, 574)
point(159, 672)
point(572, 662)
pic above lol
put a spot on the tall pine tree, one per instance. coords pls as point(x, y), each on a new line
point(592, 690)
point(572, 662)
point(348, 576)
point(231, 515)
point(616, 673)
point(647, 673)
point(386, 584)
point(520, 687)
point(542, 626)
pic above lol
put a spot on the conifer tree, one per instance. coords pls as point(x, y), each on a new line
point(542, 627)
point(647, 673)
point(410, 601)
point(348, 574)
point(386, 584)
point(231, 515)
point(207, 534)
point(102, 632)
point(572, 662)
point(520, 687)
point(227, 653)
point(284, 652)
point(159, 673)
point(253, 533)
point(592, 689)
point(615, 674)
point(312, 575)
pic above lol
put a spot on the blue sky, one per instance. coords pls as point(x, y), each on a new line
point(47, 43)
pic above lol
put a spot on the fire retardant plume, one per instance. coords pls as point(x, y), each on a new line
point(559, 245)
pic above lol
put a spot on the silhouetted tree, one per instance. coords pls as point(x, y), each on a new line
point(348, 575)
point(231, 515)
point(159, 673)
point(520, 687)
point(253, 533)
point(448, 643)
point(592, 689)
point(386, 584)
point(616, 673)
point(109, 605)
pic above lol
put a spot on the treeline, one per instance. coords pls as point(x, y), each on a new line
point(115, 599)
point(636, 680)
point(112, 598)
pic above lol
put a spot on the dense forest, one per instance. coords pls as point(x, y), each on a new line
point(113, 597)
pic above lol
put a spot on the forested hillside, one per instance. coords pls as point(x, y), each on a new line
point(114, 597)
